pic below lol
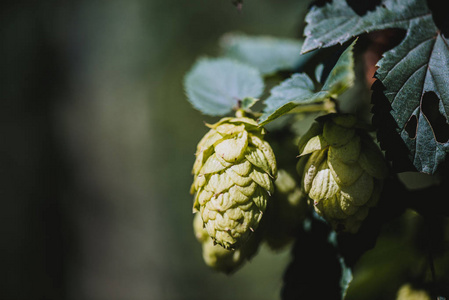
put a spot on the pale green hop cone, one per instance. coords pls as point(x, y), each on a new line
point(221, 259)
point(342, 170)
point(233, 173)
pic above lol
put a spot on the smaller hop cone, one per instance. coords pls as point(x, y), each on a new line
point(233, 173)
point(342, 170)
point(219, 258)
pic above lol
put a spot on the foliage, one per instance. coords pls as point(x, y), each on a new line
point(410, 107)
point(214, 86)
point(415, 73)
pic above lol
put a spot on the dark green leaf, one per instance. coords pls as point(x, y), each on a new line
point(415, 75)
point(215, 86)
point(266, 53)
point(336, 22)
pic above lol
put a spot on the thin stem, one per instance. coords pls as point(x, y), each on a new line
point(328, 106)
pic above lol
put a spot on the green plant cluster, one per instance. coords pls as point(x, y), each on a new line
point(304, 152)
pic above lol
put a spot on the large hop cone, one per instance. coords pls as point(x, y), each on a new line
point(233, 173)
point(219, 258)
point(342, 170)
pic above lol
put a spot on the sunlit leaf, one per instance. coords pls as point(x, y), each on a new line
point(300, 90)
point(215, 86)
point(267, 54)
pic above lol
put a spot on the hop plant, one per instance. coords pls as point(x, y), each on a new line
point(342, 170)
point(219, 258)
point(233, 173)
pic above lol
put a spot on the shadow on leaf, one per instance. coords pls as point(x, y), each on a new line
point(390, 141)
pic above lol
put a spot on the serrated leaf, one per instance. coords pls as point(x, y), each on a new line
point(214, 86)
point(416, 76)
point(267, 54)
point(300, 90)
point(415, 73)
point(336, 22)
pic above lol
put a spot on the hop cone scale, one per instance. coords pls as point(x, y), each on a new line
point(219, 258)
point(342, 170)
point(233, 173)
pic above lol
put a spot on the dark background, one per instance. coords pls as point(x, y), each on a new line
point(97, 144)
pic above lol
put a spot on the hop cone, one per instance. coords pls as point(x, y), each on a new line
point(233, 173)
point(342, 170)
point(219, 258)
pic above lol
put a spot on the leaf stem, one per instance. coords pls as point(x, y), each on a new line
point(327, 106)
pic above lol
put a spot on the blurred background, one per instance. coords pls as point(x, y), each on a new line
point(98, 142)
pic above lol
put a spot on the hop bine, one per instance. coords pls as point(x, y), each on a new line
point(342, 170)
point(233, 173)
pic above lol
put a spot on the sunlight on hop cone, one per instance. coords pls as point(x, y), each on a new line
point(233, 173)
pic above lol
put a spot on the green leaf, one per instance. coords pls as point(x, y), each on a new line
point(415, 73)
point(214, 86)
point(248, 102)
point(336, 22)
point(299, 87)
point(300, 90)
point(267, 54)
point(416, 77)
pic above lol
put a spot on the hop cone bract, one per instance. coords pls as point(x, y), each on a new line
point(219, 258)
point(233, 173)
point(342, 170)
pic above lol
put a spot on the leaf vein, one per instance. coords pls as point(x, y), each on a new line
point(409, 77)
point(406, 56)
